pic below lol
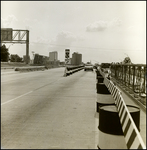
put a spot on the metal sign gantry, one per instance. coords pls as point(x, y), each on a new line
point(8, 35)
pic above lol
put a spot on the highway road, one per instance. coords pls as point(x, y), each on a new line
point(44, 110)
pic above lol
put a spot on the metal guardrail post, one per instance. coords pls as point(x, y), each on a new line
point(132, 77)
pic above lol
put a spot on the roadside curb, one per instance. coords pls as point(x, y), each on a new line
point(7, 67)
point(31, 68)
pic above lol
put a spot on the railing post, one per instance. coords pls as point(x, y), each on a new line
point(140, 80)
point(133, 76)
point(123, 74)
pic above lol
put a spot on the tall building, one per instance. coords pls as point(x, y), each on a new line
point(40, 59)
point(76, 58)
point(53, 56)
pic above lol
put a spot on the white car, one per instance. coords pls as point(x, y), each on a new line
point(88, 67)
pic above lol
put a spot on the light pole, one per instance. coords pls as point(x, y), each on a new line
point(126, 54)
point(33, 56)
point(10, 45)
point(8, 50)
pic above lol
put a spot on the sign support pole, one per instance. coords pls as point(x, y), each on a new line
point(27, 48)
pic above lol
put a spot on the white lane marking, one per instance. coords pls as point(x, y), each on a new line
point(16, 98)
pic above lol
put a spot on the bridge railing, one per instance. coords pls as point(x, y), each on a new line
point(133, 77)
point(131, 133)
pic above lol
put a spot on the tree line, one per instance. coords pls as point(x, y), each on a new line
point(5, 55)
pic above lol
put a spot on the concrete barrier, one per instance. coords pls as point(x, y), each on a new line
point(102, 89)
point(100, 79)
point(129, 126)
point(103, 95)
point(111, 135)
point(104, 100)
point(98, 73)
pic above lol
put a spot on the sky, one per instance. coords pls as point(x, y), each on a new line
point(102, 31)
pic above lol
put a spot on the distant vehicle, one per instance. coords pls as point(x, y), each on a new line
point(88, 67)
point(105, 67)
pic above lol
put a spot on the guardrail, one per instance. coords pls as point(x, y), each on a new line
point(132, 136)
point(133, 77)
point(30, 68)
point(72, 69)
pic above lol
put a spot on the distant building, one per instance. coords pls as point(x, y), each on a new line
point(24, 58)
point(53, 56)
point(76, 59)
point(40, 59)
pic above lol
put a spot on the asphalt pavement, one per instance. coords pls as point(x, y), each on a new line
point(57, 113)
point(49, 111)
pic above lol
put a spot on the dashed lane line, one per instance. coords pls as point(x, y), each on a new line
point(16, 98)
point(27, 93)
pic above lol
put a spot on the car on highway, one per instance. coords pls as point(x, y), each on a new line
point(105, 67)
point(88, 67)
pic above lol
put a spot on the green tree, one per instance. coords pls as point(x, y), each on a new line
point(127, 60)
point(15, 58)
point(4, 53)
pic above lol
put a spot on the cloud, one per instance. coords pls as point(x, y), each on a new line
point(115, 22)
point(97, 26)
point(65, 38)
point(7, 22)
point(103, 25)
point(62, 38)
point(29, 23)
point(40, 40)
